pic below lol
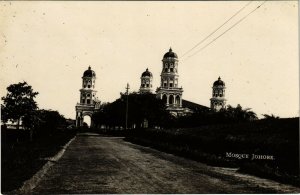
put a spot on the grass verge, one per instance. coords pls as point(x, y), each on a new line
point(22, 158)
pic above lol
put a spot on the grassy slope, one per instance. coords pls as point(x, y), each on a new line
point(209, 144)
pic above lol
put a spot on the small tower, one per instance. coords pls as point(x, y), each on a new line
point(218, 100)
point(146, 82)
point(88, 101)
point(169, 90)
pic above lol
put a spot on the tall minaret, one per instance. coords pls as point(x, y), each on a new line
point(169, 91)
point(87, 92)
point(218, 100)
point(88, 100)
point(146, 82)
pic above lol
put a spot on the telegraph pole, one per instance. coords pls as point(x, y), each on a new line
point(127, 88)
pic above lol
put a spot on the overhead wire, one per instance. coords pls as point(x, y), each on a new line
point(227, 30)
point(241, 9)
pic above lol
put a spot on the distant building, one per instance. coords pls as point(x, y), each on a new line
point(88, 100)
point(169, 90)
point(191, 107)
point(146, 82)
point(218, 100)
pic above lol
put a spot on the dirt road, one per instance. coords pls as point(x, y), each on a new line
point(96, 164)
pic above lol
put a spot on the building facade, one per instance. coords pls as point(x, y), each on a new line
point(88, 100)
point(218, 101)
point(146, 82)
point(169, 90)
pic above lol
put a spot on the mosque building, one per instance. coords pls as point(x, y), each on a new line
point(168, 91)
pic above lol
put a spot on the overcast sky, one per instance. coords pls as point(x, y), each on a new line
point(50, 45)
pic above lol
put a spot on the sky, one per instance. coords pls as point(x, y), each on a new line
point(49, 44)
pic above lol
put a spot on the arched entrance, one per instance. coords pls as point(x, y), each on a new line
point(87, 121)
point(84, 118)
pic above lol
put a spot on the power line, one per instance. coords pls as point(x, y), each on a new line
point(227, 30)
point(217, 28)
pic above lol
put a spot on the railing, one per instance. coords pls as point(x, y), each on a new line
point(84, 104)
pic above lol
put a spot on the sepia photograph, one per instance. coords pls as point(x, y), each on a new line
point(149, 97)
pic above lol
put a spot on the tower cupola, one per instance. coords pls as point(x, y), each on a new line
point(146, 82)
point(218, 100)
point(170, 54)
point(89, 73)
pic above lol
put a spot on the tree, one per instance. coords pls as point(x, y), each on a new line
point(18, 102)
point(141, 107)
point(239, 114)
point(50, 121)
point(270, 117)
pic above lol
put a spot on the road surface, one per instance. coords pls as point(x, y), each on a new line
point(97, 164)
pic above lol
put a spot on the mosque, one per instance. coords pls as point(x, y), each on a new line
point(169, 91)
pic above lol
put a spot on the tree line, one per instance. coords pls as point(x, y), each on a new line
point(19, 106)
point(144, 110)
point(146, 107)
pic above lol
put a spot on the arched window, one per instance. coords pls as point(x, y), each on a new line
point(171, 99)
point(177, 100)
point(164, 98)
point(171, 83)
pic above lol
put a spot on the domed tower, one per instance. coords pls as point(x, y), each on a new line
point(169, 90)
point(88, 100)
point(146, 82)
point(218, 100)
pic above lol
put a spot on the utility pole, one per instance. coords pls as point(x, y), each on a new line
point(127, 88)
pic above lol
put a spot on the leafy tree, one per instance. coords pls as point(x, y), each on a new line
point(49, 121)
point(270, 117)
point(239, 114)
point(18, 103)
